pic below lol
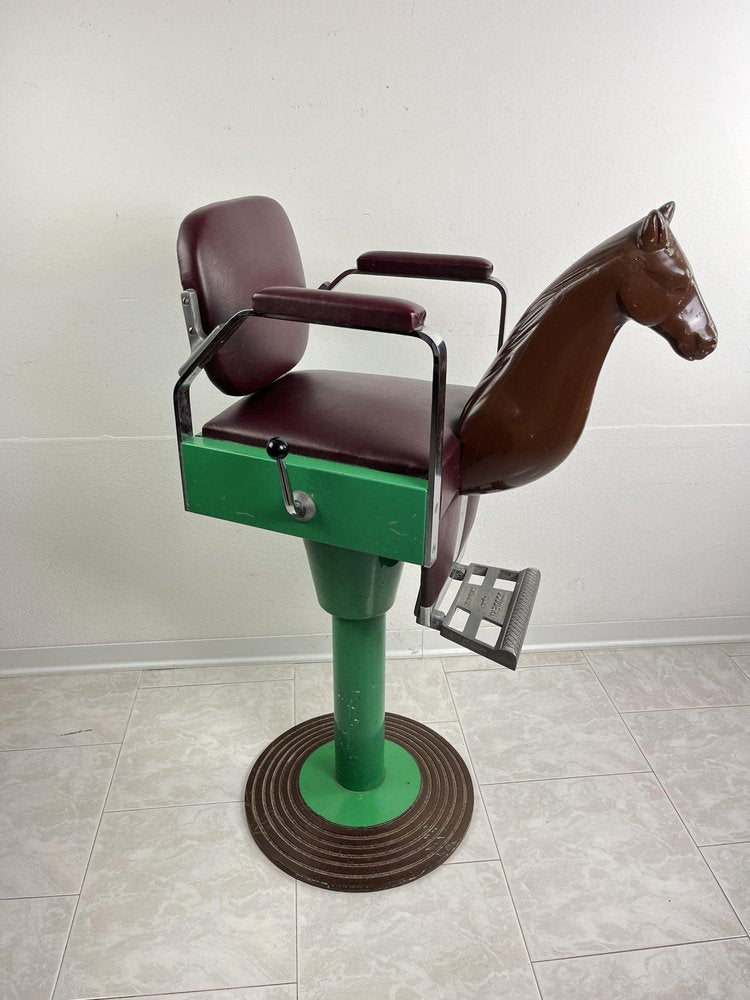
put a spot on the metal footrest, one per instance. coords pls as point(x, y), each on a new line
point(498, 600)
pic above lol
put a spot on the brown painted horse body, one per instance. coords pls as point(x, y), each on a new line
point(531, 405)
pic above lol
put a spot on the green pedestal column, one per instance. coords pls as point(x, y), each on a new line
point(357, 589)
point(359, 701)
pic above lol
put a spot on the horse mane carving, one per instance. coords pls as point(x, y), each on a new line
point(530, 407)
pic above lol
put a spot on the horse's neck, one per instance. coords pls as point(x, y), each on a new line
point(560, 343)
point(528, 411)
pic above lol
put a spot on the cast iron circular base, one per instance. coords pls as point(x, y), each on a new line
point(358, 859)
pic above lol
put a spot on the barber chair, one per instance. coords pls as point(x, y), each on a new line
point(365, 470)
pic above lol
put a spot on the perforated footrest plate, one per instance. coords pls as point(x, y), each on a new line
point(499, 600)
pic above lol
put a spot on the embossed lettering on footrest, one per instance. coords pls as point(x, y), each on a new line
point(501, 599)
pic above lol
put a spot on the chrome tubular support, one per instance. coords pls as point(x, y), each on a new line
point(437, 421)
point(503, 308)
point(328, 285)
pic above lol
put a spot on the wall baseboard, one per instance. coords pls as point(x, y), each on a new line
point(400, 643)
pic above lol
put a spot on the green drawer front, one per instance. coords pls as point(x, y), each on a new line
point(361, 509)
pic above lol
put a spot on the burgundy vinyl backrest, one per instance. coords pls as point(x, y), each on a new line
point(226, 252)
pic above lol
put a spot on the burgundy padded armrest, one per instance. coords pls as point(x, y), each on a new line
point(364, 312)
point(424, 265)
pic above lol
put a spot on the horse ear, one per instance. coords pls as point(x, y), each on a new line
point(668, 211)
point(654, 232)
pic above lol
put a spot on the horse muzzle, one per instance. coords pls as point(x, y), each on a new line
point(691, 332)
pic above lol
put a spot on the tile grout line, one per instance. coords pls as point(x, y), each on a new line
point(180, 993)
point(49, 895)
point(682, 708)
point(473, 861)
point(62, 746)
point(562, 777)
point(174, 805)
point(521, 666)
point(676, 810)
point(631, 951)
point(618, 713)
point(93, 842)
point(492, 834)
point(746, 928)
point(170, 687)
point(458, 722)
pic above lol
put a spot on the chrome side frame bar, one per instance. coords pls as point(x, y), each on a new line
point(197, 361)
point(437, 426)
point(428, 615)
point(208, 346)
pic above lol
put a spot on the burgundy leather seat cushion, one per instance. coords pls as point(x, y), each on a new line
point(378, 421)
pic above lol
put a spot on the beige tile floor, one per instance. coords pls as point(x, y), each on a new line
point(608, 856)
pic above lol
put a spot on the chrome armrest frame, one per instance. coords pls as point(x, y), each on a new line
point(208, 346)
point(328, 285)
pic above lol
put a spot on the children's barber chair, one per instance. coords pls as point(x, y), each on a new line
point(365, 469)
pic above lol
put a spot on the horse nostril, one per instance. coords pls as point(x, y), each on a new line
point(707, 346)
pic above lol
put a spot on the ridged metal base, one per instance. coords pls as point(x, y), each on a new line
point(358, 859)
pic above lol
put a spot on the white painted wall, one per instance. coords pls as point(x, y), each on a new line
point(523, 131)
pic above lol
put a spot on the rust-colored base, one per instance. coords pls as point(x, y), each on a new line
point(358, 859)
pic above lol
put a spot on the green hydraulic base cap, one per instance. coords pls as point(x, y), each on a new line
point(327, 798)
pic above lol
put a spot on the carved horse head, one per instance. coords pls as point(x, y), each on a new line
point(658, 290)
